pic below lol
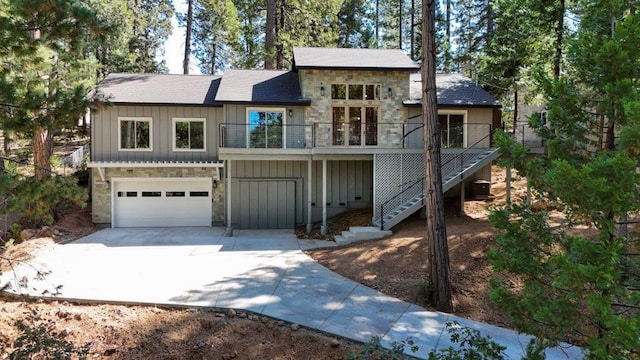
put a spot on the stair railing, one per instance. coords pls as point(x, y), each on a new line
point(412, 186)
point(421, 180)
point(460, 156)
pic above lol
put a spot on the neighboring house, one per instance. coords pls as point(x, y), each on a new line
point(278, 149)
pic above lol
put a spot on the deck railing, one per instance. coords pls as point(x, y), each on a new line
point(404, 135)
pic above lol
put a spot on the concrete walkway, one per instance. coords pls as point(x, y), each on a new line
point(265, 272)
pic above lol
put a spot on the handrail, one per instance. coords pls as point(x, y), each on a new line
point(489, 135)
point(421, 181)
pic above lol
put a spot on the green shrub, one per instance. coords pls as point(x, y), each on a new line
point(39, 339)
point(40, 202)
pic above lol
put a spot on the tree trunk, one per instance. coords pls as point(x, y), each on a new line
point(377, 23)
point(270, 36)
point(413, 29)
point(187, 38)
point(557, 61)
point(280, 47)
point(42, 151)
point(515, 112)
point(436, 236)
point(447, 46)
point(400, 24)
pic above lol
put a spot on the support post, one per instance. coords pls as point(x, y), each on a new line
point(462, 195)
point(323, 229)
point(227, 169)
point(508, 185)
point(309, 198)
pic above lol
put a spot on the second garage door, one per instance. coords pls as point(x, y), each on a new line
point(162, 202)
point(266, 204)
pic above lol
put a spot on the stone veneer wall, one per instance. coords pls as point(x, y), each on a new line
point(392, 112)
point(101, 195)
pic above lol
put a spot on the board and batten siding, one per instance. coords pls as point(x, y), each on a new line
point(349, 184)
point(104, 133)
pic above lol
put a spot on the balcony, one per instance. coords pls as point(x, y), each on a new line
point(346, 138)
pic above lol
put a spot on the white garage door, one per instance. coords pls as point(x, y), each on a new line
point(162, 202)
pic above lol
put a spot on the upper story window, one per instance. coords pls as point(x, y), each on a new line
point(355, 91)
point(189, 134)
point(134, 133)
point(266, 127)
point(451, 129)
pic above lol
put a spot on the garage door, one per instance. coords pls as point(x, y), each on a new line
point(162, 202)
point(267, 204)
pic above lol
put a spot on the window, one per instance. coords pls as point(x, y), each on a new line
point(151, 194)
point(198, 193)
point(265, 128)
point(175, 194)
point(358, 123)
point(451, 130)
point(188, 134)
point(355, 92)
point(135, 134)
point(355, 121)
point(542, 117)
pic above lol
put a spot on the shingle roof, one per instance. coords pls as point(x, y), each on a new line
point(453, 90)
point(159, 89)
point(261, 87)
point(351, 59)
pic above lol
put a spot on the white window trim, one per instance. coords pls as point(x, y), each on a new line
point(173, 131)
point(465, 129)
point(135, 118)
point(268, 109)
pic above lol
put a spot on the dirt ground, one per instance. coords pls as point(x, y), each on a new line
point(395, 266)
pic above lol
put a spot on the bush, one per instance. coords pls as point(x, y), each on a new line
point(40, 202)
point(40, 339)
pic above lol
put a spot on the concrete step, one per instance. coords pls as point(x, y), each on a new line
point(349, 236)
point(340, 240)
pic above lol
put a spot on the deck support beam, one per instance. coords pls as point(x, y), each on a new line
point(309, 193)
point(323, 229)
point(228, 196)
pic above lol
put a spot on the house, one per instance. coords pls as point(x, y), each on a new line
point(255, 149)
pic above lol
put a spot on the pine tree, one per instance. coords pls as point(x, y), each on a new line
point(573, 287)
point(46, 71)
point(436, 234)
point(216, 34)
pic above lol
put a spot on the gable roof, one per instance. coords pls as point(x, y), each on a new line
point(454, 90)
point(158, 89)
point(261, 87)
point(352, 59)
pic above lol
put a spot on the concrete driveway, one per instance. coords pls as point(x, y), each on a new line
point(265, 272)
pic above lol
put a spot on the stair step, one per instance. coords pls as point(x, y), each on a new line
point(340, 240)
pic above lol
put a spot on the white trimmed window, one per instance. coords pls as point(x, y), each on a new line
point(189, 134)
point(266, 128)
point(134, 134)
point(452, 128)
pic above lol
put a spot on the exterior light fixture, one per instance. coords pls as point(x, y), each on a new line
point(390, 92)
point(290, 113)
point(321, 90)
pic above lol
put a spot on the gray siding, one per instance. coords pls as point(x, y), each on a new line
point(349, 185)
point(104, 133)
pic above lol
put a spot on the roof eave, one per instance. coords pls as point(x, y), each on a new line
point(303, 102)
point(411, 103)
point(361, 68)
point(138, 103)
